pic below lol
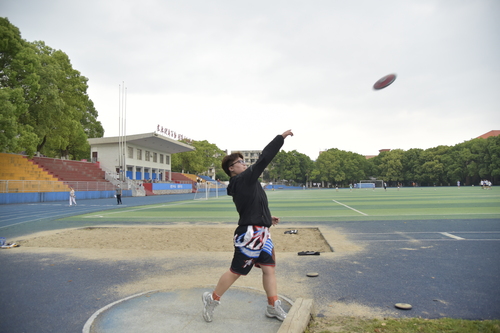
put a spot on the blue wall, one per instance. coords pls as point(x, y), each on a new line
point(171, 186)
point(282, 187)
point(15, 198)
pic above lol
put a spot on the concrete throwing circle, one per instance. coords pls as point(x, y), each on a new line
point(241, 310)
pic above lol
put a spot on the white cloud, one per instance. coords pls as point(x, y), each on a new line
point(237, 73)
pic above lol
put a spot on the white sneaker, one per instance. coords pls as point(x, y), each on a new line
point(209, 306)
point(276, 311)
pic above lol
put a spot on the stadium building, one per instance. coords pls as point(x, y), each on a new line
point(138, 157)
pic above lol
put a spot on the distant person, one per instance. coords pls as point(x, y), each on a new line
point(119, 195)
point(458, 183)
point(72, 196)
point(252, 239)
point(385, 186)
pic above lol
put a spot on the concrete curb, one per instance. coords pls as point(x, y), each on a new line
point(298, 317)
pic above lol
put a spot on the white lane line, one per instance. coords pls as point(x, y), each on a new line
point(55, 217)
point(357, 211)
point(102, 214)
point(422, 240)
point(451, 236)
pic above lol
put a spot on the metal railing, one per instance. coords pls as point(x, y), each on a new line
point(91, 186)
point(29, 186)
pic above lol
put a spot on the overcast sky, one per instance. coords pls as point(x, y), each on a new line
point(236, 73)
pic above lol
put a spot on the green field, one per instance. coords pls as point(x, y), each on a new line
point(324, 206)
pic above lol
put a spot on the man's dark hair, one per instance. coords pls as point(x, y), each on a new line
point(228, 160)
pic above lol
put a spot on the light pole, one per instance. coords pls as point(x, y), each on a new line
point(122, 132)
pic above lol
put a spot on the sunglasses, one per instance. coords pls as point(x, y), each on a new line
point(238, 161)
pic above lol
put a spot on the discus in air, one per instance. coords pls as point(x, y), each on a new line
point(384, 82)
point(403, 306)
point(312, 274)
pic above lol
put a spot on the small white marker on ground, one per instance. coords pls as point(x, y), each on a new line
point(451, 236)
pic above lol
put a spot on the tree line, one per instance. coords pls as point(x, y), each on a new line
point(468, 162)
point(44, 103)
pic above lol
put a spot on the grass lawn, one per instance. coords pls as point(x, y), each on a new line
point(325, 206)
point(412, 325)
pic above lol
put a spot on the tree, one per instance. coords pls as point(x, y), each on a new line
point(221, 175)
point(492, 158)
point(45, 106)
point(391, 166)
point(18, 83)
point(340, 167)
point(306, 166)
point(356, 166)
point(411, 161)
point(290, 166)
point(461, 163)
point(432, 171)
point(206, 155)
point(61, 106)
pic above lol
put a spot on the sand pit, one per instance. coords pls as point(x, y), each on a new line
point(170, 238)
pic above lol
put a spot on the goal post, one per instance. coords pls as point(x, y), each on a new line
point(201, 191)
point(370, 183)
point(205, 190)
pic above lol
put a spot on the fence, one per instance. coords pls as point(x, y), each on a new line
point(31, 186)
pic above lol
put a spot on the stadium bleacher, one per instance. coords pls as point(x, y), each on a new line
point(25, 176)
point(66, 170)
point(177, 176)
point(207, 179)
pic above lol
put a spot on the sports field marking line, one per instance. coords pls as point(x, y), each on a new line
point(395, 215)
point(54, 217)
point(138, 209)
point(357, 211)
point(420, 232)
point(41, 214)
point(422, 240)
point(451, 236)
point(291, 218)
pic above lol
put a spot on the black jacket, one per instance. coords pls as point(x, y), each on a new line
point(248, 195)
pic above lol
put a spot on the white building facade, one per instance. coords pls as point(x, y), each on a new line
point(137, 157)
point(250, 156)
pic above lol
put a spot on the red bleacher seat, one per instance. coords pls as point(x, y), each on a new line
point(66, 170)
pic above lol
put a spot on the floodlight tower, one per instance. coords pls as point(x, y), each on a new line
point(122, 130)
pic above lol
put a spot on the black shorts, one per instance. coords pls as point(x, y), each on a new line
point(252, 246)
